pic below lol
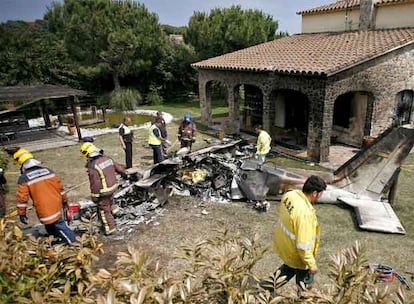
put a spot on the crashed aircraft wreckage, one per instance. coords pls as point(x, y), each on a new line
point(225, 172)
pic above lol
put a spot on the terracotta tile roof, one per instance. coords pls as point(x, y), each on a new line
point(344, 4)
point(321, 53)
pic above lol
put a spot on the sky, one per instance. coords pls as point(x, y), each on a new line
point(178, 12)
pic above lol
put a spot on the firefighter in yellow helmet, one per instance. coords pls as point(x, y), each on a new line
point(45, 188)
point(103, 183)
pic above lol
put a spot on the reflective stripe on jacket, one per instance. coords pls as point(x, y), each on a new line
point(263, 143)
point(102, 175)
point(44, 188)
point(296, 238)
point(152, 139)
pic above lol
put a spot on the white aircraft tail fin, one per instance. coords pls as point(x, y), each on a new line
point(374, 170)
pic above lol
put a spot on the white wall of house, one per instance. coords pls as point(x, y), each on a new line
point(330, 21)
point(386, 17)
point(395, 16)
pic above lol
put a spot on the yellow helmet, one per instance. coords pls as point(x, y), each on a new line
point(88, 149)
point(22, 155)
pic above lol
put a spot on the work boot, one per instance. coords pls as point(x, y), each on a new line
point(110, 231)
point(115, 210)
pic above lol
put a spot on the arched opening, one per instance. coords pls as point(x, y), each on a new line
point(403, 111)
point(289, 116)
point(352, 118)
point(216, 93)
point(250, 99)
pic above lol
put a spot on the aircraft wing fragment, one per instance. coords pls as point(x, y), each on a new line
point(374, 215)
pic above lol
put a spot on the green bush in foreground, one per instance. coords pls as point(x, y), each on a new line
point(217, 270)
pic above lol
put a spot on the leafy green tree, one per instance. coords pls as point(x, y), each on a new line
point(174, 72)
point(30, 54)
point(170, 29)
point(228, 29)
point(108, 38)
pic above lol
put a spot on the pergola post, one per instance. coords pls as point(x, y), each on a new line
point(44, 114)
point(73, 101)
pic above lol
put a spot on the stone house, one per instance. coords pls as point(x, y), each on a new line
point(348, 75)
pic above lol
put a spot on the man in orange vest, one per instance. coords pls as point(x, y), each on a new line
point(45, 188)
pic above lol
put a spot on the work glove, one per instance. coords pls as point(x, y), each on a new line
point(23, 219)
point(168, 142)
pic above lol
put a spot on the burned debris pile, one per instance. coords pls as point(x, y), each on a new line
point(222, 173)
point(207, 178)
point(206, 174)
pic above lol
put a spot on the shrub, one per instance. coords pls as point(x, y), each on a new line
point(215, 271)
point(4, 159)
point(154, 97)
point(125, 99)
point(34, 271)
point(219, 270)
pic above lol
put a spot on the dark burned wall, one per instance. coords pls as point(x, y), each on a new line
point(384, 78)
point(312, 87)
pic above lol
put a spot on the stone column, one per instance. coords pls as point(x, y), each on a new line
point(266, 111)
point(205, 102)
point(319, 129)
point(74, 101)
point(233, 105)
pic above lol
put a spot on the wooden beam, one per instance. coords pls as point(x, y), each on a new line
point(73, 101)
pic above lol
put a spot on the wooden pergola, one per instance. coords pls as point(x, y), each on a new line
point(25, 95)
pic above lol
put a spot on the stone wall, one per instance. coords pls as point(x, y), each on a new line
point(384, 78)
point(268, 83)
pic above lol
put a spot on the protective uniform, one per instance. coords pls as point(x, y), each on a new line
point(163, 130)
point(296, 239)
point(263, 143)
point(103, 183)
point(187, 132)
point(155, 143)
point(127, 137)
point(43, 186)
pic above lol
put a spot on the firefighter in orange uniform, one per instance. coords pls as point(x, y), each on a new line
point(103, 183)
point(45, 188)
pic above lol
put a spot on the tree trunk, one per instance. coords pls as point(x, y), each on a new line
point(115, 77)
